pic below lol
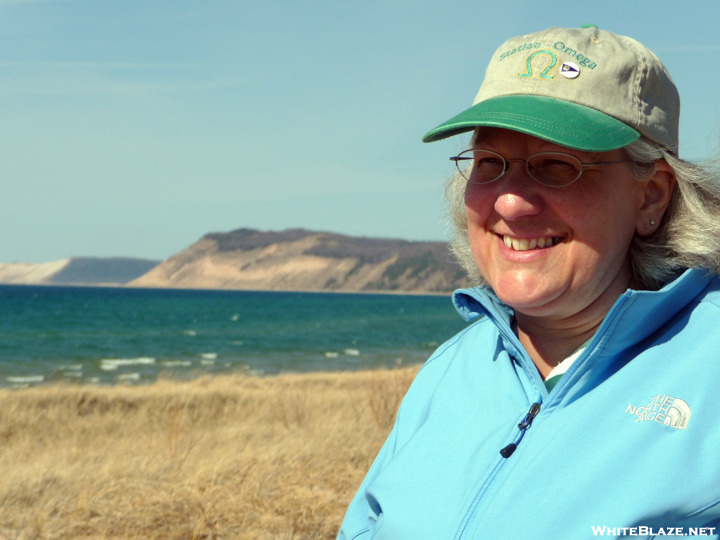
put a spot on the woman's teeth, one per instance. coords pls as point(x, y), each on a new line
point(525, 244)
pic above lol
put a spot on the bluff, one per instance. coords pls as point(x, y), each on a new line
point(298, 259)
point(76, 271)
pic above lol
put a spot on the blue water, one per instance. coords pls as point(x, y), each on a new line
point(114, 335)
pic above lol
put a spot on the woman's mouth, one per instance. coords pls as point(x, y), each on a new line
point(526, 244)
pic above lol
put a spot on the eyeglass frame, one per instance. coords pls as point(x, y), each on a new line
point(506, 165)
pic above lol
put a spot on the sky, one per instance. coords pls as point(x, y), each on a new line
point(132, 128)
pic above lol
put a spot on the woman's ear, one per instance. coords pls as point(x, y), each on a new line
point(657, 191)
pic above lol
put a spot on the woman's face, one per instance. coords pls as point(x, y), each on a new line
point(587, 225)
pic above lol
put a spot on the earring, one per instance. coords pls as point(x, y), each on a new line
point(652, 222)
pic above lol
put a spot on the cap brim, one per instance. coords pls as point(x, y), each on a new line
point(561, 122)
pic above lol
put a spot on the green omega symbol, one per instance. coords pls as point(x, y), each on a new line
point(544, 72)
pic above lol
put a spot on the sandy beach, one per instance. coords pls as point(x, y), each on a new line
point(226, 457)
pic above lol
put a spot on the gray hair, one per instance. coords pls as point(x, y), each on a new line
point(688, 235)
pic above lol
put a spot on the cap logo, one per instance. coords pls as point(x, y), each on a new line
point(544, 74)
point(569, 70)
point(523, 47)
point(580, 58)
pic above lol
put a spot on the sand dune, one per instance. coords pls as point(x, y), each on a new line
point(29, 273)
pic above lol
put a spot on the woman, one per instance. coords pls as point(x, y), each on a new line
point(582, 401)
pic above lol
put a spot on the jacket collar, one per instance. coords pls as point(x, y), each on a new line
point(476, 302)
point(633, 317)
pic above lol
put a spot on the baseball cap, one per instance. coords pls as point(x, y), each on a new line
point(583, 88)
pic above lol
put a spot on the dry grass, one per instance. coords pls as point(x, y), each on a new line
point(227, 457)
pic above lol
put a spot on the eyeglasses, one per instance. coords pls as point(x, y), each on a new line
point(552, 169)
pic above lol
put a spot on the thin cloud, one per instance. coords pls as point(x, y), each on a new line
point(73, 86)
point(103, 65)
point(688, 49)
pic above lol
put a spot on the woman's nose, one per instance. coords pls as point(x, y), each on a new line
point(517, 194)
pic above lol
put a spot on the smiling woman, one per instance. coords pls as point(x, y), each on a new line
point(596, 252)
point(590, 223)
point(688, 236)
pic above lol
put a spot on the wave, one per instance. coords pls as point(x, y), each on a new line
point(111, 364)
point(177, 363)
point(28, 379)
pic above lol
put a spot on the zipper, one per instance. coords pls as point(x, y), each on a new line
point(524, 425)
point(506, 452)
point(525, 361)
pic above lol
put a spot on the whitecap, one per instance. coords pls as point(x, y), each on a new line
point(190, 333)
point(129, 377)
point(331, 354)
point(235, 317)
point(207, 362)
point(111, 364)
point(25, 380)
point(177, 363)
point(352, 352)
point(209, 355)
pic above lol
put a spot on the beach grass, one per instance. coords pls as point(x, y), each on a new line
point(234, 456)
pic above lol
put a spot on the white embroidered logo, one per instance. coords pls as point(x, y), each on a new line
point(667, 410)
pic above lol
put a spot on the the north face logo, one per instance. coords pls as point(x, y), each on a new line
point(667, 410)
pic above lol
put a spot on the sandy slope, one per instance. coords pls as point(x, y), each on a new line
point(307, 261)
point(30, 274)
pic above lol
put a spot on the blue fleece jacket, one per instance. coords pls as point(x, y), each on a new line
point(626, 444)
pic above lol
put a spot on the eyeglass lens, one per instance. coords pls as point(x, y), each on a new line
point(548, 168)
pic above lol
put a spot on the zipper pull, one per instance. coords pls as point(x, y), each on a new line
point(524, 425)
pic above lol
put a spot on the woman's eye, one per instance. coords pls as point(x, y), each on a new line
point(488, 162)
point(556, 167)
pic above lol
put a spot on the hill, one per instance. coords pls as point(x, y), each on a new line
point(102, 270)
point(298, 259)
point(28, 273)
point(76, 271)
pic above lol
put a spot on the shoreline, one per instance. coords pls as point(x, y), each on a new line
point(210, 289)
point(26, 382)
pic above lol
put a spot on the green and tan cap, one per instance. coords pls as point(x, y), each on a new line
point(583, 88)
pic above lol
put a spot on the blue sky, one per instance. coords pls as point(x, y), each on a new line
point(132, 128)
